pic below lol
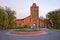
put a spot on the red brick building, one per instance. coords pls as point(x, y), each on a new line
point(34, 18)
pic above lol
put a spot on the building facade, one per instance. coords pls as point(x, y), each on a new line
point(34, 19)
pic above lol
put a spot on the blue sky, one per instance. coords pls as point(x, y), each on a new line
point(22, 7)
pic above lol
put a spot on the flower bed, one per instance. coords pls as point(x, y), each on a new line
point(27, 33)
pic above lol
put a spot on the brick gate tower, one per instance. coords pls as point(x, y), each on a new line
point(34, 10)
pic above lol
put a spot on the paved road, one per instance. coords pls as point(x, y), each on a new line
point(51, 35)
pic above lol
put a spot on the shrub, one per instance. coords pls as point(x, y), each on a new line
point(19, 27)
point(25, 26)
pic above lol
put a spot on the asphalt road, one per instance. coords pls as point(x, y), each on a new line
point(51, 35)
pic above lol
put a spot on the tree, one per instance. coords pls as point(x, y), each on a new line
point(11, 16)
point(7, 17)
point(3, 18)
point(54, 17)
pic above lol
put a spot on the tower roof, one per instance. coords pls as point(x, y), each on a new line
point(34, 4)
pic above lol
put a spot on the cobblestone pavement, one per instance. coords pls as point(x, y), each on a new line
point(51, 35)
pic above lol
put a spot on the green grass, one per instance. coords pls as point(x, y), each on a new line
point(54, 28)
